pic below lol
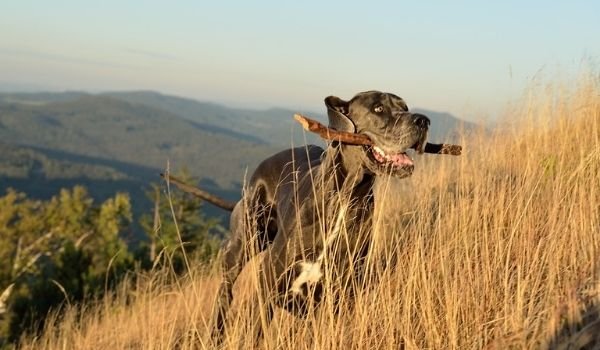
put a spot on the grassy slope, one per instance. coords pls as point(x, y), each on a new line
point(498, 248)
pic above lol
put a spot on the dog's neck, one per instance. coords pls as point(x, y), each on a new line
point(342, 163)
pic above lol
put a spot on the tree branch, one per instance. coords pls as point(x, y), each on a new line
point(212, 199)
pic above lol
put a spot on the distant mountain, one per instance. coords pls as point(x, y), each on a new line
point(38, 98)
point(274, 126)
point(120, 141)
point(105, 127)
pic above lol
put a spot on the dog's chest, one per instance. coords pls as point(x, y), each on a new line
point(339, 247)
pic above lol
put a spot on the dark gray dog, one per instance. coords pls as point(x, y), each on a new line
point(308, 208)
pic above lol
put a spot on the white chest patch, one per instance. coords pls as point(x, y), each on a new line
point(311, 272)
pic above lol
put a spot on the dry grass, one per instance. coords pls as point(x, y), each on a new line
point(495, 249)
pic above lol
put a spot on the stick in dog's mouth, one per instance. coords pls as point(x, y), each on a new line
point(361, 139)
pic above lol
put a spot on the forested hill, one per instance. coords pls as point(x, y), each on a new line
point(109, 129)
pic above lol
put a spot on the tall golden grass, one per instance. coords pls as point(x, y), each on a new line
point(496, 249)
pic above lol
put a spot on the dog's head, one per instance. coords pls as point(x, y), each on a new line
point(385, 118)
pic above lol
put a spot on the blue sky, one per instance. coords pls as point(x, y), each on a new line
point(465, 57)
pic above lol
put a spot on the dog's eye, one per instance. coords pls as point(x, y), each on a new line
point(378, 109)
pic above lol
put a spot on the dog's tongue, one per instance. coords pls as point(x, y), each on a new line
point(401, 159)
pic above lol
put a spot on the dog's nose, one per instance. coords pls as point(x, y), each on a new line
point(421, 121)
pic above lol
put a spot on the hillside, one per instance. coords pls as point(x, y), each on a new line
point(272, 126)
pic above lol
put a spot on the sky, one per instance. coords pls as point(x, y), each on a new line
point(469, 58)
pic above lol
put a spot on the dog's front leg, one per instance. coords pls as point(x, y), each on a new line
point(263, 301)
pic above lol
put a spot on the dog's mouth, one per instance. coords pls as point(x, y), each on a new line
point(394, 160)
point(388, 155)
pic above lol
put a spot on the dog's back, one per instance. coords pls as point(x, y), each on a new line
point(273, 176)
point(279, 169)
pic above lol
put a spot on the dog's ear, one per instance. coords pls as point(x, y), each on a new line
point(337, 111)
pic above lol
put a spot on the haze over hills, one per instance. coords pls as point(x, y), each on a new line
point(122, 140)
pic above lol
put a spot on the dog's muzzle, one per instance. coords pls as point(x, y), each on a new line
point(390, 152)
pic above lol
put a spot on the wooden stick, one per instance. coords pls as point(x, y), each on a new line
point(443, 148)
point(332, 134)
point(361, 139)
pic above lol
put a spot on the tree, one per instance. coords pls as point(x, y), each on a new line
point(65, 247)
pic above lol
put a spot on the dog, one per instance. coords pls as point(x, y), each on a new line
point(306, 208)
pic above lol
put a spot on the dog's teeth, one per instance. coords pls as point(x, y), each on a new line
point(378, 150)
